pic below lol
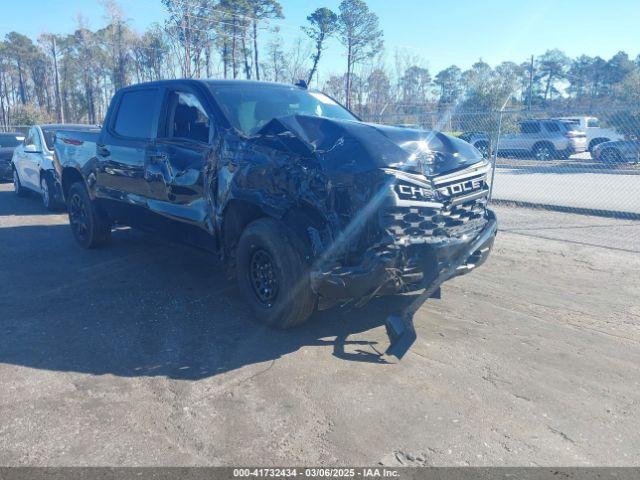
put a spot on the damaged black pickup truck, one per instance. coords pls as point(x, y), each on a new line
point(305, 204)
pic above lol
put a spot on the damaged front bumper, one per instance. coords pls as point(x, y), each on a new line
point(391, 272)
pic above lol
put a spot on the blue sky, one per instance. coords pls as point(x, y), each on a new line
point(441, 32)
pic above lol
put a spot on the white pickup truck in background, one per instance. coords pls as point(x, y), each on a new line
point(595, 133)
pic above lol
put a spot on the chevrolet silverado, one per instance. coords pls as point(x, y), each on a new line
point(306, 205)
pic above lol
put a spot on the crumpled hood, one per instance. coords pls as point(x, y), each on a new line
point(343, 145)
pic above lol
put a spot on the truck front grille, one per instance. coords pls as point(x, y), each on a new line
point(463, 195)
point(427, 225)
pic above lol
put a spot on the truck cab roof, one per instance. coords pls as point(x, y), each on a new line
point(214, 83)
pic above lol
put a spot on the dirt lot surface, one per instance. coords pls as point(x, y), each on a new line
point(141, 354)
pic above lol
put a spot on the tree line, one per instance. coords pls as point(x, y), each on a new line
point(72, 77)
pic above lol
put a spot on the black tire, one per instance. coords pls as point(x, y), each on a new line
point(91, 228)
point(47, 191)
point(484, 149)
point(272, 275)
point(610, 155)
point(544, 152)
point(17, 185)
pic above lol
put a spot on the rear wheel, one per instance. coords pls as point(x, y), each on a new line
point(484, 149)
point(47, 191)
point(543, 152)
point(90, 227)
point(17, 186)
point(272, 275)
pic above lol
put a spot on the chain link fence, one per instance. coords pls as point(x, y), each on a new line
point(586, 161)
point(578, 160)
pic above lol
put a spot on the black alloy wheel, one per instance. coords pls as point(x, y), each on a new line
point(90, 226)
point(543, 152)
point(17, 185)
point(78, 217)
point(272, 275)
point(263, 277)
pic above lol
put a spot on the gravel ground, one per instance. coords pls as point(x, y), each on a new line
point(141, 354)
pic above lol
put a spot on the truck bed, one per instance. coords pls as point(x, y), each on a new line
point(75, 147)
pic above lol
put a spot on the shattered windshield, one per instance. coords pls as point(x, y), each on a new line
point(249, 108)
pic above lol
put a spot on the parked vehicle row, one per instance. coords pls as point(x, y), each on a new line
point(8, 143)
point(32, 167)
point(540, 139)
point(544, 140)
point(557, 138)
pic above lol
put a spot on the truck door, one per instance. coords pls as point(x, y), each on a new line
point(122, 149)
point(176, 164)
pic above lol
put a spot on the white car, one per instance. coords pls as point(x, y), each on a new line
point(595, 133)
point(32, 164)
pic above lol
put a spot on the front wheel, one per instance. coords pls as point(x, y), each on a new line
point(17, 186)
point(543, 152)
point(272, 275)
point(91, 228)
point(47, 192)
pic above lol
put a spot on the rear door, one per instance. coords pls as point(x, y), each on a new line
point(175, 167)
point(522, 141)
point(122, 150)
point(18, 158)
point(29, 161)
point(531, 132)
point(552, 130)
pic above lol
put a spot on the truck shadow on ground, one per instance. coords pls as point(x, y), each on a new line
point(142, 307)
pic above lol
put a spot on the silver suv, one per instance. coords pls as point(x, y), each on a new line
point(544, 140)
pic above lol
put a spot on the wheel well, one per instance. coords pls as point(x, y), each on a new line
point(237, 215)
point(299, 220)
point(597, 141)
point(69, 177)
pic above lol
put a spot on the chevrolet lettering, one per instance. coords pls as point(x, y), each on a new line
point(462, 187)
